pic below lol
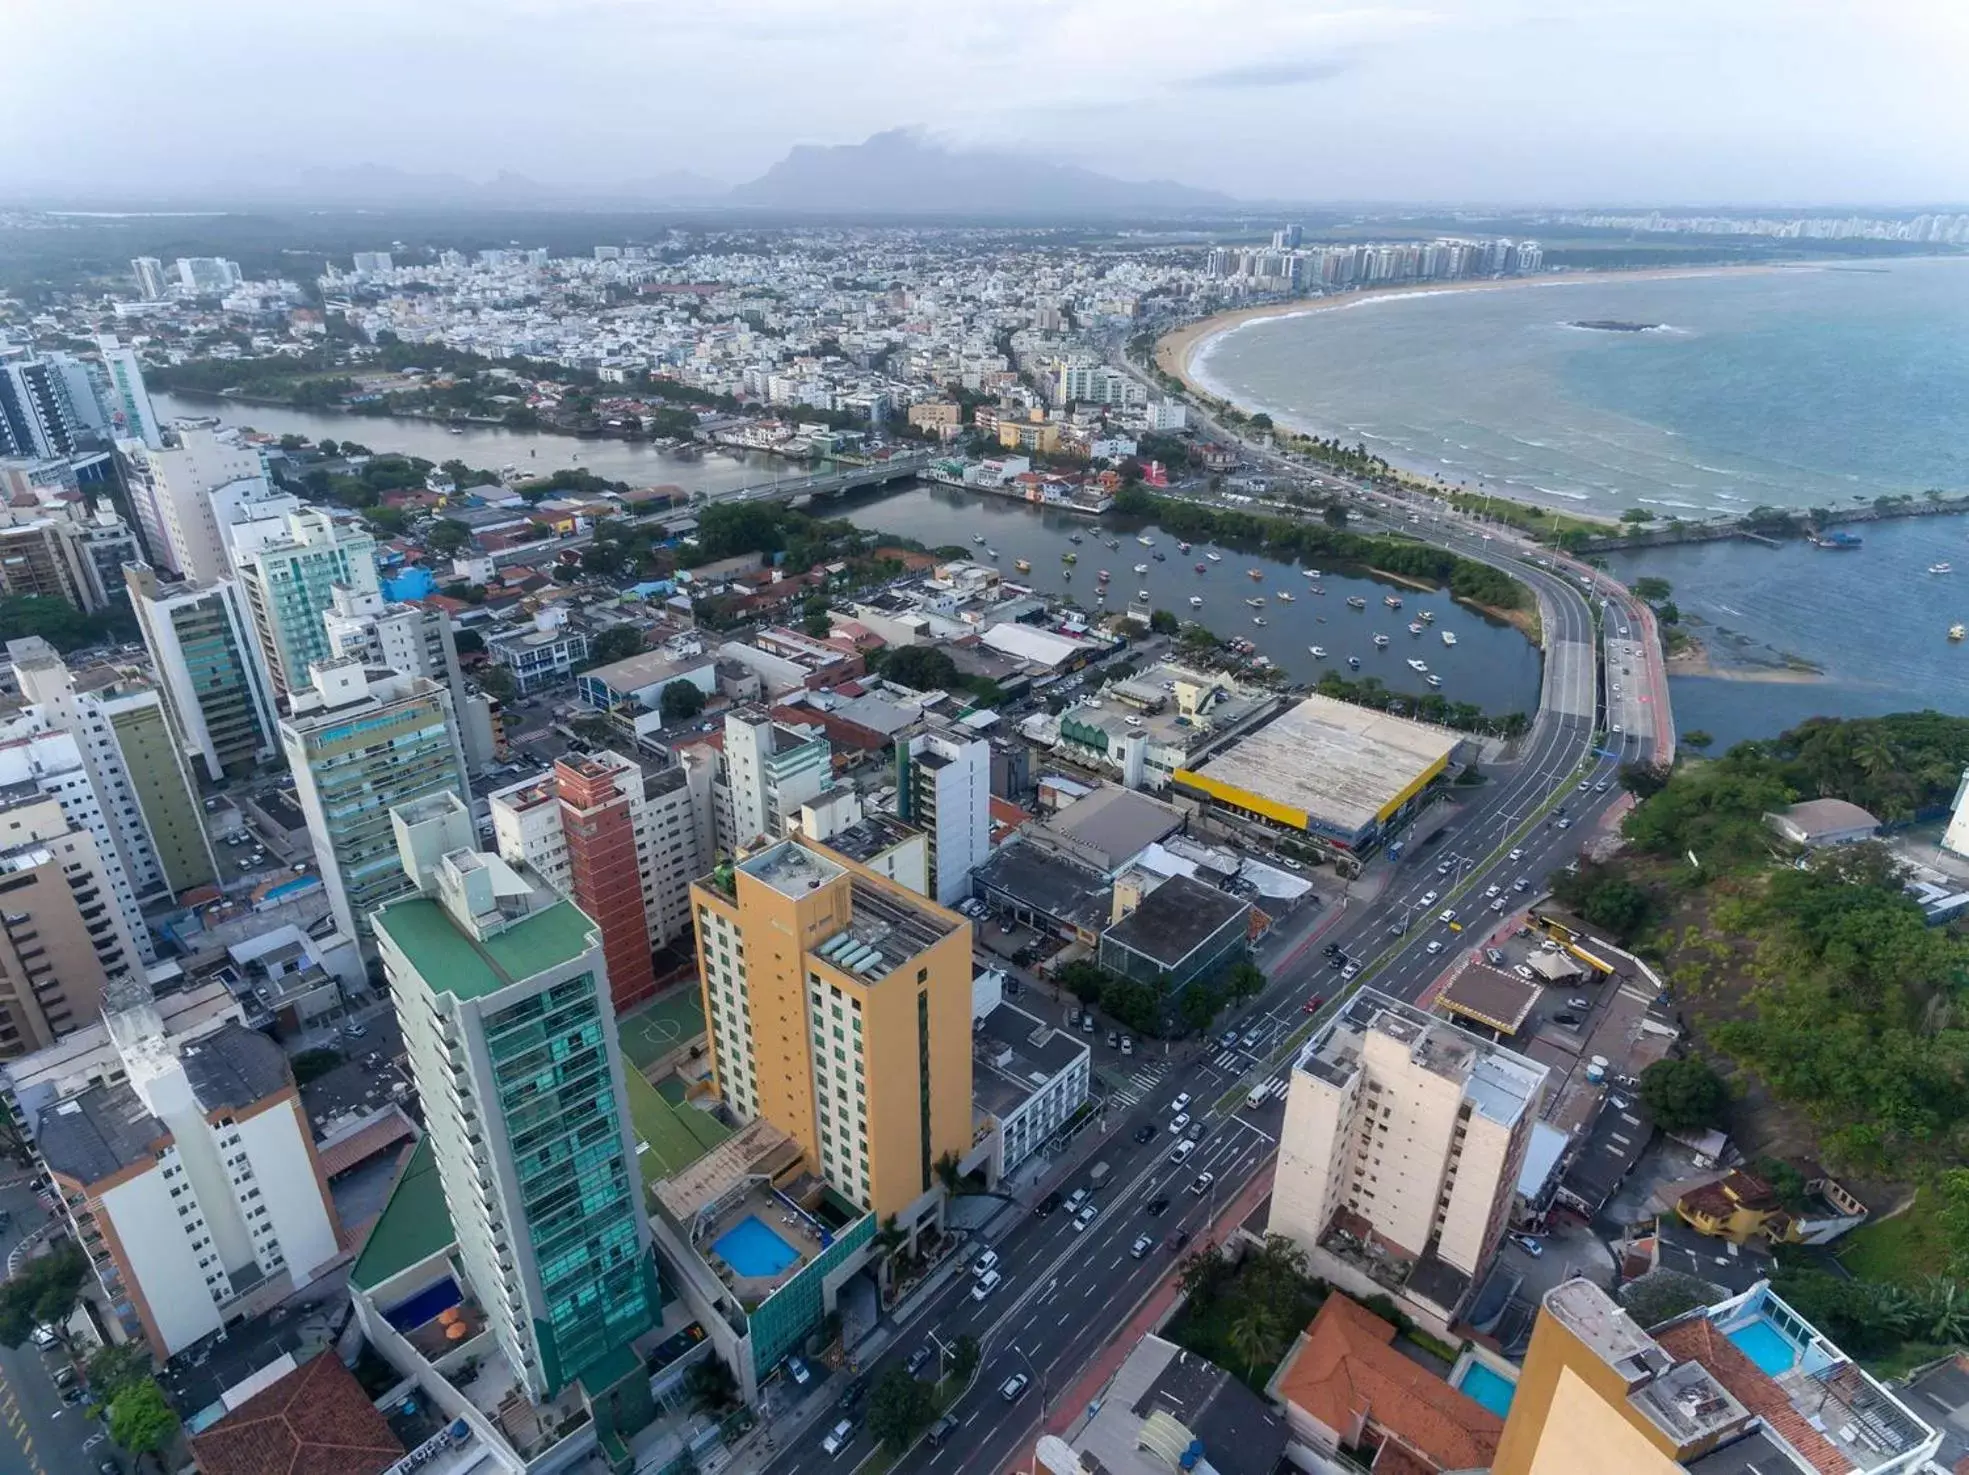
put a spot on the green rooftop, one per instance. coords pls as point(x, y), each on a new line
point(414, 1225)
point(450, 960)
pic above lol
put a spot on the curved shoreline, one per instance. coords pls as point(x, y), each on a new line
point(1176, 351)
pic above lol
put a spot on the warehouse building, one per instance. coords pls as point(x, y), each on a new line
point(1340, 775)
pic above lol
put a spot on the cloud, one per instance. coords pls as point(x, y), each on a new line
point(1274, 74)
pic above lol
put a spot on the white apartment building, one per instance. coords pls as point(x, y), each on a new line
point(288, 568)
point(1408, 1133)
point(770, 770)
point(943, 786)
point(182, 483)
point(130, 412)
point(191, 1182)
point(412, 640)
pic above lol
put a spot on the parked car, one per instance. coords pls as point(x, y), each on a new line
point(1178, 1122)
point(921, 1358)
point(1523, 972)
point(1145, 1132)
point(798, 1371)
point(990, 1281)
point(1435, 946)
point(1176, 1240)
point(1570, 1021)
point(942, 1430)
point(1529, 1245)
point(1075, 1200)
point(1086, 1217)
point(839, 1437)
point(1049, 1203)
point(1579, 1003)
point(987, 1261)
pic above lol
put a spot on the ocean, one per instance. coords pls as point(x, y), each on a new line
point(1792, 387)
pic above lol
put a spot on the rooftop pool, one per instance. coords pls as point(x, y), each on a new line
point(754, 1249)
point(1764, 1345)
point(1487, 1388)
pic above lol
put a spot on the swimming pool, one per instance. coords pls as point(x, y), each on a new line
point(753, 1249)
point(1488, 1388)
point(1764, 1345)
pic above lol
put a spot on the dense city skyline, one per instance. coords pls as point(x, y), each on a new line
point(1459, 101)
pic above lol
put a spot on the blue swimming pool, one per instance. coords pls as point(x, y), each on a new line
point(1764, 1345)
point(1486, 1387)
point(752, 1248)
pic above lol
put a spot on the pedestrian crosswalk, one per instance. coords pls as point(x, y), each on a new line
point(1129, 1086)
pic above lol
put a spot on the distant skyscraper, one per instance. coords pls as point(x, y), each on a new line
point(360, 743)
point(208, 276)
point(372, 263)
point(182, 481)
point(289, 580)
point(36, 416)
point(502, 990)
point(153, 282)
point(201, 646)
point(129, 405)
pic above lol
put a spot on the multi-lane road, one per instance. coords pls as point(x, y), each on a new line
point(1067, 1291)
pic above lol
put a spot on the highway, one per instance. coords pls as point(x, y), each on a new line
point(1066, 1292)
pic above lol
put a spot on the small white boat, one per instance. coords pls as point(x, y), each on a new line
point(1392, 602)
point(1196, 601)
point(1214, 557)
point(1141, 568)
point(1146, 541)
point(1143, 595)
point(1182, 547)
point(1427, 617)
point(977, 538)
point(1941, 568)
point(1258, 603)
point(1956, 632)
point(1257, 619)
point(1415, 665)
point(1283, 595)
point(1435, 680)
point(991, 553)
point(1414, 628)
point(1449, 637)
point(1311, 573)
point(1381, 640)
point(1319, 652)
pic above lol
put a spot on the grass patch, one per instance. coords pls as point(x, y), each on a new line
point(675, 1136)
point(1904, 1250)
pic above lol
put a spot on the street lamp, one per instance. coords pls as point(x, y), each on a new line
point(1039, 1378)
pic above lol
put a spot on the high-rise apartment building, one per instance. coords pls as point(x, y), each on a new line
point(1744, 1385)
point(1407, 1132)
point(360, 742)
point(153, 282)
point(943, 786)
point(201, 647)
point(288, 577)
point(771, 768)
point(182, 480)
point(192, 1181)
point(410, 640)
point(133, 761)
point(37, 418)
point(36, 560)
point(61, 935)
point(838, 1007)
point(208, 276)
point(620, 842)
point(371, 263)
point(503, 993)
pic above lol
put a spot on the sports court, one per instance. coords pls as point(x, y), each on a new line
point(672, 1137)
point(660, 1026)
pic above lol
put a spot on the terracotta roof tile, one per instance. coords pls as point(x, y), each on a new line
point(1701, 1340)
point(1347, 1368)
point(315, 1421)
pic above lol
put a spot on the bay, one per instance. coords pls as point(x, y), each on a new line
point(1491, 665)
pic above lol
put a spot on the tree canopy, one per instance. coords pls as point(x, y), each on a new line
point(1683, 1094)
point(41, 1293)
point(900, 1408)
point(140, 1420)
point(680, 701)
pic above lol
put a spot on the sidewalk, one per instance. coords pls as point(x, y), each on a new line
point(1078, 1403)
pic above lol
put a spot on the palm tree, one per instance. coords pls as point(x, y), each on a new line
point(1251, 1336)
point(1947, 1310)
point(1874, 753)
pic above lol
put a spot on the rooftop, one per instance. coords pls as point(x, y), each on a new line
point(1499, 1083)
point(1490, 997)
point(316, 1420)
point(1346, 1367)
point(1167, 1409)
point(646, 669)
point(1014, 1056)
point(1343, 766)
point(1175, 919)
point(1828, 816)
point(790, 869)
point(1110, 827)
point(104, 1129)
point(1048, 883)
point(452, 961)
point(414, 1225)
point(233, 1067)
point(869, 836)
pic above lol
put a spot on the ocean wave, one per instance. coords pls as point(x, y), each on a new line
point(1714, 470)
point(1555, 492)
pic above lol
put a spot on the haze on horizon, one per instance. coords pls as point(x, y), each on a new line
point(1509, 101)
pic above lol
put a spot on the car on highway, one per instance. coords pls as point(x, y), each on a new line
point(921, 1358)
point(1181, 1102)
point(942, 1430)
point(1076, 1199)
point(1251, 1037)
point(1585, 784)
point(1048, 1204)
point(1349, 971)
point(1086, 1217)
point(839, 1437)
point(1178, 1122)
point(1014, 1387)
point(1517, 853)
point(1448, 916)
point(1521, 884)
point(1182, 1151)
point(1142, 1245)
point(1600, 787)
point(1201, 1183)
point(1428, 899)
point(1157, 1207)
point(1229, 1037)
point(1127, 1044)
point(1565, 824)
point(1145, 1132)
point(1435, 946)
point(1443, 868)
point(987, 1261)
point(1492, 889)
point(1176, 1240)
point(1337, 960)
point(1114, 1039)
point(1312, 1005)
point(1498, 905)
point(1292, 865)
point(990, 1281)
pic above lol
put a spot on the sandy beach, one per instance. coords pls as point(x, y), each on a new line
point(1176, 350)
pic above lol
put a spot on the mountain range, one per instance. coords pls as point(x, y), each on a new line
point(899, 172)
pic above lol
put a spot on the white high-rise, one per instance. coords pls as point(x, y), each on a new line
point(408, 638)
point(153, 279)
point(184, 481)
point(130, 412)
point(771, 768)
point(943, 786)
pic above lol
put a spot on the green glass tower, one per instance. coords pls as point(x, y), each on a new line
point(503, 997)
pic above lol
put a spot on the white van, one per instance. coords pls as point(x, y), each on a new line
point(1258, 1096)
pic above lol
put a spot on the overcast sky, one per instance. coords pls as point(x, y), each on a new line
point(1467, 100)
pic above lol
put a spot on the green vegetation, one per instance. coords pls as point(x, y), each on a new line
point(61, 624)
point(1606, 898)
point(900, 1407)
point(140, 1420)
point(1543, 523)
point(1243, 1317)
point(679, 701)
point(1663, 1295)
point(1684, 1095)
point(42, 1293)
point(112, 1369)
point(617, 643)
point(1368, 691)
point(312, 1065)
point(1907, 1248)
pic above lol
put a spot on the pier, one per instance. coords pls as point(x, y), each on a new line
point(1773, 526)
